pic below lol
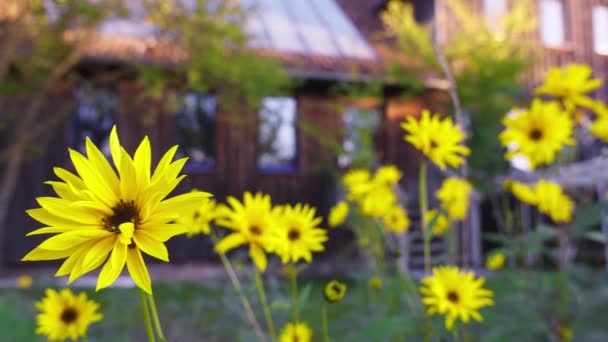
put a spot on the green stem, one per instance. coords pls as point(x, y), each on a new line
point(155, 318)
point(259, 282)
point(294, 294)
point(146, 312)
point(422, 198)
point(324, 321)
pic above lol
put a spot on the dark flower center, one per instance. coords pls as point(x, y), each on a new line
point(196, 215)
point(536, 134)
point(296, 338)
point(123, 212)
point(434, 143)
point(69, 315)
point(453, 296)
point(255, 230)
point(293, 234)
point(337, 289)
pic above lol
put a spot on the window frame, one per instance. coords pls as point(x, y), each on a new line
point(279, 169)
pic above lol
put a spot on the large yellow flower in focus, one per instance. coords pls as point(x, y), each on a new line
point(99, 212)
point(438, 139)
point(252, 222)
point(297, 234)
point(198, 221)
point(570, 84)
point(296, 332)
point(456, 294)
point(396, 220)
point(338, 214)
point(552, 201)
point(454, 195)
point(64, 315)
point(538, 133)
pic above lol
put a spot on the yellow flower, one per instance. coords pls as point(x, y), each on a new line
point(64, 315)
point(455, 294)
point(496, 261)
point(334, 291)
point(198, 221)
point(439, 140)
point(552, 201)
point(378, 202)
point(387, 175)
point(357, 183)
point(297, 234)
point(24, 282)
point(99, 211)
point(521, 191)
point(599, 128)
point(454, 196)
point(538, 133)
point(396, 220)
point(252, 222)
point(375, 283)
point(338, 214)
point(437, 222)
point(570, 84)
point(564, 333)
point(296, 332)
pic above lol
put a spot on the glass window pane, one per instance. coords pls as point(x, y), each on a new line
point(195, 125)
point(96, 112)
point(277, 140)
point(600, 29)
point(360, 127)
point(552, 23)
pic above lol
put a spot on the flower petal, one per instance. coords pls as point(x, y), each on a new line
point(137, 269)
point(149, 245)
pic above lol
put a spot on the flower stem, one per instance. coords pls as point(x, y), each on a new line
point(146, 312)
point(262, 293)
point(294, 294)
point(324, 321)
point(422, 199)
point(155, 318)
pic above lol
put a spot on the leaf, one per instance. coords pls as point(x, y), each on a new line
point(587, 218)
point(384, 328)
point(304, 295)
point(597, 237)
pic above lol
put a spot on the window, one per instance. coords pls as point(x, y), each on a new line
point(494, 11)
point(360, 126)
point(552, 31)
point(600, 29)
point(195, 130)
point(95, 113)
point(277, 140)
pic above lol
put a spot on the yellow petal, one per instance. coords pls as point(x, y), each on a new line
point(98, 253)
point(149, 245)
point(137, 269)
point(230, 242)
point(69, 177)
point(113, 267)
point(99, 163)
point(99, 186)
point(126, 232)
point(142, 161)
point(62, 208)
point(115, 147)
point(164, 162)
point(258, 256)
point(44, 254)
point(128, 188)
point(72, 239)
point(163, 232)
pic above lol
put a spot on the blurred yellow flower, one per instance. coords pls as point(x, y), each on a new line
point(334, 291)
point(396, 220)
point(438, 139)
point(252, 222)
point(437, 221)
point(198, 221)
point(454, 195)
point(570, 84)
point(296, 332)
point(552, 201)
point(564, 334)
point(387, 175)
point(357, 183)
point(496, 261)
point(338, 214)
point(375, 283)
point(378, 202)
point(521, 191)
point(24, 282)
point(538, 133)
point(456, 294)
point(64, 315)
point(599, 128)
point(297, 234)
point(101, 212)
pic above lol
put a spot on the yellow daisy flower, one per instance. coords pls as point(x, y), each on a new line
point(396, 220)
point(24, 282)
point(101, 212)
point(198, 221)
point(297, 234)
point(454, 196)
point(570, 84)
point(456, 294)
point(296, 332)
point(599, 128)
point(564, 334)
point(375, 283)
point(552, 201)
point(521, 191)
point(338, 214)
point(334, 291)
point(538, 133)
point(387, 175)
point(439, 140)
point(496, 261)
point(356, 183)
point(438, 222)
point(252, 222)
point(378, 202)
point(64, 315)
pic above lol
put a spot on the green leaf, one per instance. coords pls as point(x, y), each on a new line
point(587, 218)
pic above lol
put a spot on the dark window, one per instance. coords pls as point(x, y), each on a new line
point(196, 124)
point(277, 139)
point(95, 114)
point(360, 126)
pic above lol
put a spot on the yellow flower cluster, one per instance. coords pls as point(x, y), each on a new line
point(548, 197)
point(375, 196)
point(570, 85)
point(454, 195)
point(198, 220)
point(291, 232)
